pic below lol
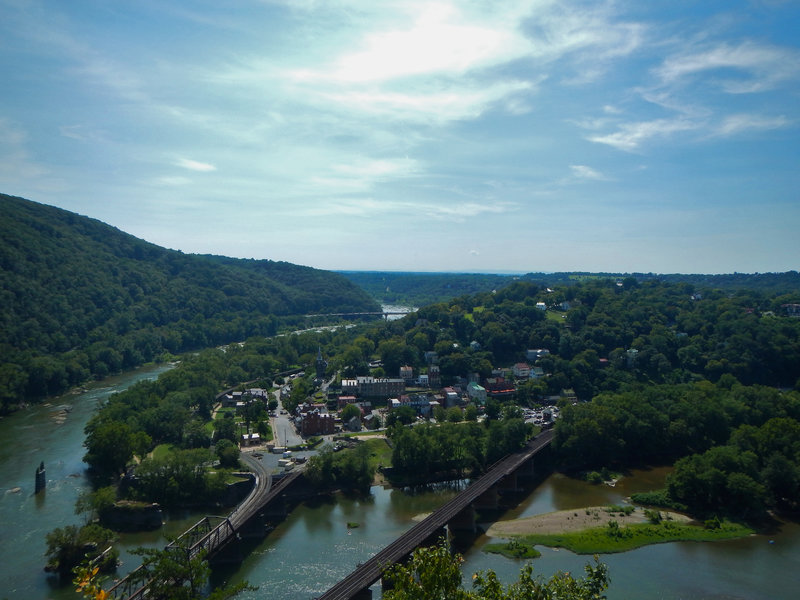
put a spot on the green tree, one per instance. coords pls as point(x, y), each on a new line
point(434, 573)
point(94, 504)
point(404, 415)
point(225, 428)
point(350, 411)
point(109, 446)
point(227, 453)
point(454, 415)
point(171, 574)
point(68, 546)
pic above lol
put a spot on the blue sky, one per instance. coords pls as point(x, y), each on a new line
point(525, 135)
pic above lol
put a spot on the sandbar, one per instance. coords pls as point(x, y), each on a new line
point(578, 519)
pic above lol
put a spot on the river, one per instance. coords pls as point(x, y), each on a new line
point(53, 433)
point(314, 547)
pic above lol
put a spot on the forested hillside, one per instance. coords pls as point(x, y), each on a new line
point(420, 289)
point(662, 372)
point(79, 298)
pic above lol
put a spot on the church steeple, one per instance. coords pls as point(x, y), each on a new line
point(321, 365)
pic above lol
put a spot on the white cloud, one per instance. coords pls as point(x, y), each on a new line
point(584, 172)
point(194, 165)
point(377, 169)
point(375, 209)
point(757, 67)
point(171, 181)
point(631, 135)
point(440, 41)
point(457, 102)
point(16, 163)
point(734, 124)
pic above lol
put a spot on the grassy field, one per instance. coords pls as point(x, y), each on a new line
point(379, 453)
point(513, 549)
point(555, 316)
point(613, 538)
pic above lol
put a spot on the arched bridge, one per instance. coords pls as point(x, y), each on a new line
point(458, 512)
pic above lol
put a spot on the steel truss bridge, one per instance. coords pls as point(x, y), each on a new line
point(211, 534)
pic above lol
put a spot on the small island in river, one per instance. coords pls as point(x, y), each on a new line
point(607, 529)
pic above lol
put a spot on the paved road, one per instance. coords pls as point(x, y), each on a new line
point(283, 428)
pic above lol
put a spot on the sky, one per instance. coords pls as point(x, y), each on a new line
point(469, 136)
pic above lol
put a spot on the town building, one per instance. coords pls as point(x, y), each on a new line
point(370, 387)
point(476, 393)
point(434, 376)
point(500, 388)
point(451, 397)
point(343, 401)
point(407, 374)
point(521, 370)
point(421, 403)
point(316, 422)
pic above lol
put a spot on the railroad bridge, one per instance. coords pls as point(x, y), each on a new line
point(457, 514)
point(218, 537)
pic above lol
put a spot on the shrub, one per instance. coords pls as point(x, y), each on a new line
point(594, 477)
point(227, 453)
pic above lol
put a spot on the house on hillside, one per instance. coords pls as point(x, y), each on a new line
point(407, 374)
point(451, 397)
point(536, 353)
point(521, 370)
point(434, 376)
point(476, 393)
point(497, 387)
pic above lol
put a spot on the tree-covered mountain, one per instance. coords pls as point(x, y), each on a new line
point(81, 299)
point(421, 289)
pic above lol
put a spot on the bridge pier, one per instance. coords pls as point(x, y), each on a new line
point(434, 537)
point(509, 484)
point(278, 508)
point(230, 553)
point(257, 527)
point(527, 470)
point(489, 500)
point(464, 520)
point(365, 594)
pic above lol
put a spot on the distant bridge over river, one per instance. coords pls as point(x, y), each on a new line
point(384, 313)
point(458, 513)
